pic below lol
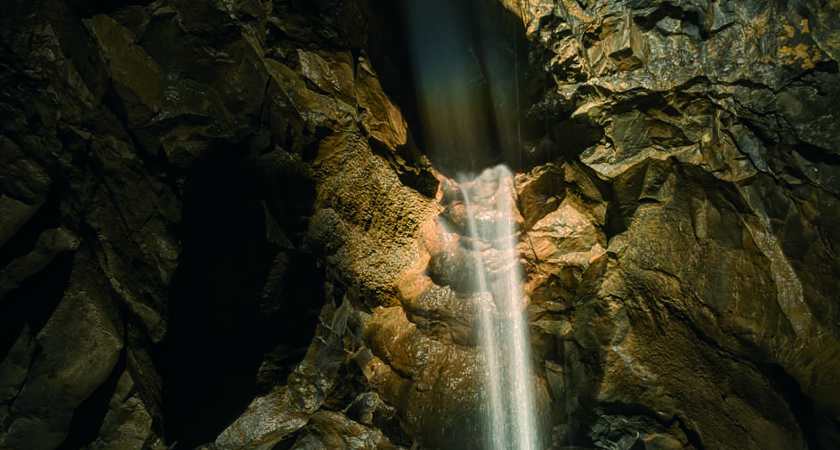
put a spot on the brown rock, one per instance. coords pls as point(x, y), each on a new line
point(382, 120)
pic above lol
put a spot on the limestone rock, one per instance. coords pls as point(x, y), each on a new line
point(382, 120)
point(328, 429)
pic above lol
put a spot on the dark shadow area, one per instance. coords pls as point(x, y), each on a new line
point(33, 302)
point(459, 71)
point(212, 351)
point(819, 430)
point(23, 242)
point(238, 298)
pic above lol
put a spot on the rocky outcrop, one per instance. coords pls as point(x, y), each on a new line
point(116, 119)
point(219, 228)
point(713, 134)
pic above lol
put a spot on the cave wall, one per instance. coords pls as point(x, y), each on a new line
point(218, 230)
point(716, 310)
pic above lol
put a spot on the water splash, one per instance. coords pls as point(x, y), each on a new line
point(488, 201)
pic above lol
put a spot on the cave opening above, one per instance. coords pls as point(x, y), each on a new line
point(459, 73)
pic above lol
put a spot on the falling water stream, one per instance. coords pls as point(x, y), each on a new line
point(488, 201)
point(465, 56)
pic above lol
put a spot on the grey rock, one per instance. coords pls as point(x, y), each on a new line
point(78, 349)
point(49, 244)
point(127, 424)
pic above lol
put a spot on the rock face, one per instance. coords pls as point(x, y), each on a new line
point(218, 231)
point(713, 317)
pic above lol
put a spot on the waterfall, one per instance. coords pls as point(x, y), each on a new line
point(510, 419)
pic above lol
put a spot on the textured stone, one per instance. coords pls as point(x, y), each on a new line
point(136, 76)
point(327, 429)
point(49, 244)
point(273, 417)
point(127, 424)
point(383, 121)
point(79, 347)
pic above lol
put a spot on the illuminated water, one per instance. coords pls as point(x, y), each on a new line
point(510, 419)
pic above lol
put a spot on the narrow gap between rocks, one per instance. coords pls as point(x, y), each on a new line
point(33, 302)
point(221, 329)
point(89, 416)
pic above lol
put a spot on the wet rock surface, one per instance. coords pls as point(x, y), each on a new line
point(218, 231)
